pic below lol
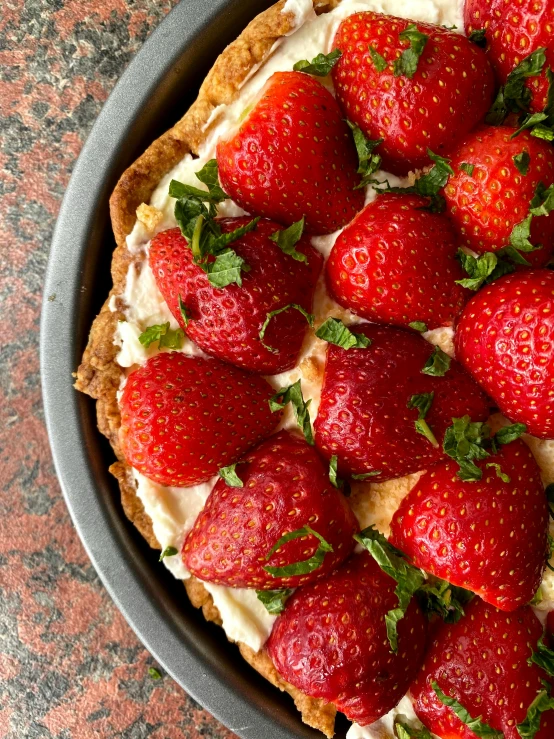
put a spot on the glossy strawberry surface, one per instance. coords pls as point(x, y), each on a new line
point(293, 156)
point(482, 662)
point(285, 487)
point(226, 322)
point(396, 263)
point(331, 641)
point(484, 206)
point(182, 418)
point(450, 91)
point(505, 339)
point(513, 31)
point(363, 416)
point(488, 536)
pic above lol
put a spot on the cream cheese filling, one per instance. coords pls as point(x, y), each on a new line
point(174, 510)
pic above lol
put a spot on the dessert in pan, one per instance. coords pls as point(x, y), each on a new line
point(326, 366)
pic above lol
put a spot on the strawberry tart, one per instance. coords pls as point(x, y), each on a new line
point(326, 366)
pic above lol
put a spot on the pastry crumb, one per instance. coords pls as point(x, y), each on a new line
point(149, 216)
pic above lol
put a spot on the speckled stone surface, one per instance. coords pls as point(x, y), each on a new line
point(70, 667)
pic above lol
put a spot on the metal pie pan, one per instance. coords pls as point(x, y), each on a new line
point(156, 89)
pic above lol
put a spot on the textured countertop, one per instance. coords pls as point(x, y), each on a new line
point(70, 667)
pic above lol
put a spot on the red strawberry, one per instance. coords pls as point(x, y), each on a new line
point(505, 338)
point(285, 488)
point(487, 536)
point(486, 204)
point(182, 418)
point(396, 263)
point(482, 662)
point(363, 417)
point(293, 156)
point(513, 31)
point(227, 322)
point(449, 92)
point(331, 641)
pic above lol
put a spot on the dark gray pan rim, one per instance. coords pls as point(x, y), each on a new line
point(155, 90)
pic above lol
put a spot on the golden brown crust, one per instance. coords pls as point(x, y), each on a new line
point(99, 375)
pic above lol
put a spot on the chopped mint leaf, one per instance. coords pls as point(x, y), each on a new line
point(537, 599)
point(379, 62)
point(230, 476)
point(165, 336)
point(514, 96)
point(418, 326)
point(321, 65)
point(542, 132)
point(308, 316)
point(274, 600)
point(335, 481)
point(335, 332)
point(366, 475)
point(168, 552)
point(293, 395)
point(154, 674)
point(464, 441)
point(510, 433)
point(299, 568)
point(446, 600)
point(428, 185)
point(519, 238)
point(406, 65)
point(467, 168)
point(408, 578)
point(543, 200)
point(423, 403)
point(287, 238)
point(543, 656)
point(502, 475)
point(478, 37)
point(185, 315)
point(477, 725)
point(550, 552)
point(226, 269)
point(368, 161)
point(529, 122)
point(403, 730)
point(482, 269)
point(438, 363)
point(529, 728)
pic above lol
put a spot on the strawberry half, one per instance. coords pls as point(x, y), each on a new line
point(331, 641)
point(285, 487)
point(415, 85)
point(364, 417)
point(482, 662)
point(226, 323)
point(182, 418)
point(505, 339)
point(293, 156)
point(513, 31)
point(396, 263)
point(489, 194)
point(488, 536)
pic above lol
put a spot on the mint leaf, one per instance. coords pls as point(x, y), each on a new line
point(543, 656)
point(423, 403)
point(467, 168)
point(287, 238)
point(464, 441)
point(299, 568)
point(335, 481)
point(519, 238)
point(429, 184)
point(321, 65)
point(230, 476)
point(165, 336)
point(514, 96)
point(154, 674)
point(418, 326)
point(335, 332)
point(185, 315)
point(529, 121)
point(483, 269)
point(542, 132)
point(502, 475)
point(406, 65)
point(168, 552)
point(510, 433)
point(438, 363)
point(308, 316)
point(293, 395)
point(274, 600)
point(529, 728)
point(408, 578)
point(379, 62)
point(368, 161)
point(440, 597)
point(543, 200)
point(477, 725)
point(366, 475)
point(404, 731)
point(226, 269)
point(478, 37)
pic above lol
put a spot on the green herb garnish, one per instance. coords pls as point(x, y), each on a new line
point(308, 316)
point(299, 568)
point(165, 336)
point(423, 403)
point(274, 600)
point(293, 395)
point(321, 65)
point(287, 238)
point(335, 332)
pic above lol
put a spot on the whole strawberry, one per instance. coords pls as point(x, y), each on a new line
point(279, 487)
point(331, 641)
point(293, 156)
point(505, 339)
point(367, 416)
point(495, 179)
point(396, 263)
point(513, 31)
point(481, 666)
point(182, 418)
point(489, 535)
point(415, 85)
point(227, 322)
